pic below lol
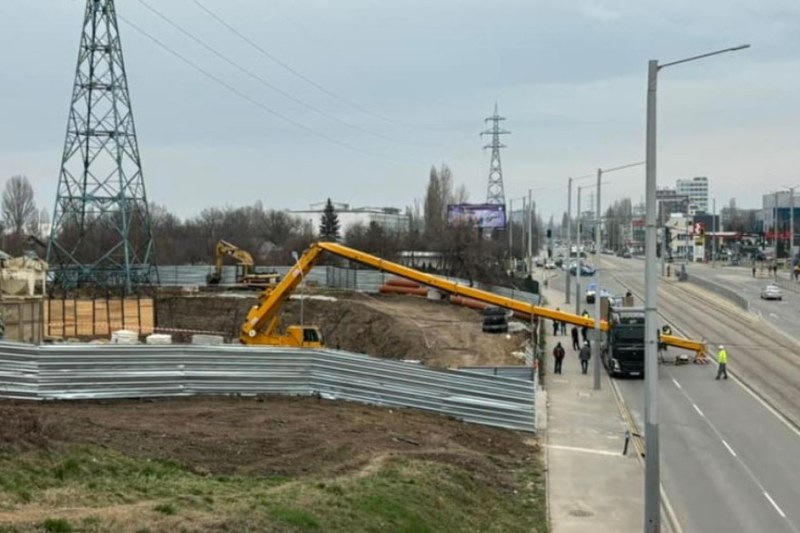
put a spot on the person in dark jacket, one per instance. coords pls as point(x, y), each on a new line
point(558, 355)
point(584, 356)
point(575, 344)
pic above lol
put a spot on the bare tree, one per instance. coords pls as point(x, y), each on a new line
point(19, 208)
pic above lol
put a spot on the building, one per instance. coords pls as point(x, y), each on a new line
point(391, 219)
point(776, 218)
point(697, 191)
point(669, 201)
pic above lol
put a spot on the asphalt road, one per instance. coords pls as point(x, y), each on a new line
point(729, 461)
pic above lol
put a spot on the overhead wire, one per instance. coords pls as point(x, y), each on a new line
point(266, 83)
point(255, 102)
point(305, 78)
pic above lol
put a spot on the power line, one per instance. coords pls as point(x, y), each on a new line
point(266, 83)
point(301, 75)
point(254, 102)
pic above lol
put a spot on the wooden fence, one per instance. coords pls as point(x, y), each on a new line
point(98, 317)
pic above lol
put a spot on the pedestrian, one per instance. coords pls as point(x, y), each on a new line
point(563, 327)
point(558, 355)
point(555, 328)
point(754, 270)
point(575, 345)
point(584, 356)
point(722, 359)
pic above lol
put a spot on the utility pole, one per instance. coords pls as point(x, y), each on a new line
point(101, 192)
point(511, 265)
point(495, 193)
point(714, 234)
point(569, 239)
point(597, 292)
point(577, 257)
point(530, 234)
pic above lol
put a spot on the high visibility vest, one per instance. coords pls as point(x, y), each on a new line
point(722, 357)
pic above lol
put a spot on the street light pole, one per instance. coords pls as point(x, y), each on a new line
point(597, 292)
point(652, 477)
point(569, 238)
point(577, 257)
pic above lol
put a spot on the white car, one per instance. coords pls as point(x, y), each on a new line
point(771, 292)
point(550, 264)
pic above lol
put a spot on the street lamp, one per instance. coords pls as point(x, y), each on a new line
point(302, 282)
point(569, 233)
point(791, 222)
point(597, 249)
point(652, 481)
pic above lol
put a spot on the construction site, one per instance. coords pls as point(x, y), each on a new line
point(357, 394)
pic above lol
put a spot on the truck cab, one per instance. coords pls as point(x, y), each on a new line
point(622, 347)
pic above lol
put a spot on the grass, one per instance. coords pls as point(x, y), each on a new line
point(404, 495)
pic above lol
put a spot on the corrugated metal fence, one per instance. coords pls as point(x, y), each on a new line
point(100, 372)
point(327, 276)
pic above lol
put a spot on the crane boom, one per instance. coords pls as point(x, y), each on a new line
point(262, 320)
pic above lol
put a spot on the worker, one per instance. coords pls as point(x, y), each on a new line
point(558, 355)
point(584, 356)
point(722, 359)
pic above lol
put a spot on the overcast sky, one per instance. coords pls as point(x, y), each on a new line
point(413, 81)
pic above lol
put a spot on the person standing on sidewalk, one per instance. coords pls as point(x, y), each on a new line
point(722, 359)
point(575, 344)
point(584, 356)
point(558, 355)
point(563, 327)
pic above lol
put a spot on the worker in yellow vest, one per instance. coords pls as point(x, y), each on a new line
point(722, 359)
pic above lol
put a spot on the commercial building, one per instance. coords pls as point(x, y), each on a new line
point(697, 191)
point(391, 219)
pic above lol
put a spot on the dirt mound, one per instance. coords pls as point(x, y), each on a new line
point(388, 326)
point(264, 436)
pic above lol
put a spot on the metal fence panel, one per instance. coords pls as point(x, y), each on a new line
point(73, 371)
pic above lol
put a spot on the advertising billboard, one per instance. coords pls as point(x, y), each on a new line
point(484, 216)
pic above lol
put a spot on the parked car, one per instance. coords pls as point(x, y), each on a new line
point(550, 265)
point(586, 270)
point(539, 262)
point(771, 292)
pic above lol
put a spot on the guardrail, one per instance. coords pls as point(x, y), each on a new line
point(68, 372)
point(718, 289)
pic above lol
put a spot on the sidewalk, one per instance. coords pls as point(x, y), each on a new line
point(592, 487)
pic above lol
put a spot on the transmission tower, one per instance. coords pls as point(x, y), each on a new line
point(101, 234)
point(495, 193)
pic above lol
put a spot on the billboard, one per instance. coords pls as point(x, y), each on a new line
point(484, 216)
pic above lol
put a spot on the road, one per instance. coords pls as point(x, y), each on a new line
point(729, 461)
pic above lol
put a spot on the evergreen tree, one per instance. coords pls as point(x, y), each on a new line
point(329, 226)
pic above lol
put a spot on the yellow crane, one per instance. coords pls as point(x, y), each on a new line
point(262, 324)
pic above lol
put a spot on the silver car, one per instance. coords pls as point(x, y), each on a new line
point(771, 292)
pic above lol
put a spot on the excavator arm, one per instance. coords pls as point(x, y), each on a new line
point(226, 249)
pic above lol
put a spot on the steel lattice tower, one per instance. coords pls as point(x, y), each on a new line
point(101, 234)
point(495, 193)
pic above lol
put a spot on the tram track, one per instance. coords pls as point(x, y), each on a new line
point(763, 358)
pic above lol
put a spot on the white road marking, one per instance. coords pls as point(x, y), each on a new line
point(733, 453)
point(676, 383)
point(775, 505)
point(698, 410)
point(584, 450)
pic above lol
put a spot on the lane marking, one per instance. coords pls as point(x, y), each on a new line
point(676, 383)
point(698, 410)
point(584, 450)
point(775, 505)
point(733, 453)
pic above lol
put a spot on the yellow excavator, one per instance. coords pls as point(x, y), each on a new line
point(263, 321)
point(246, 274)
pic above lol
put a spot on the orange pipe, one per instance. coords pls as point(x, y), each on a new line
point(392, 289)
point(399, 282)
